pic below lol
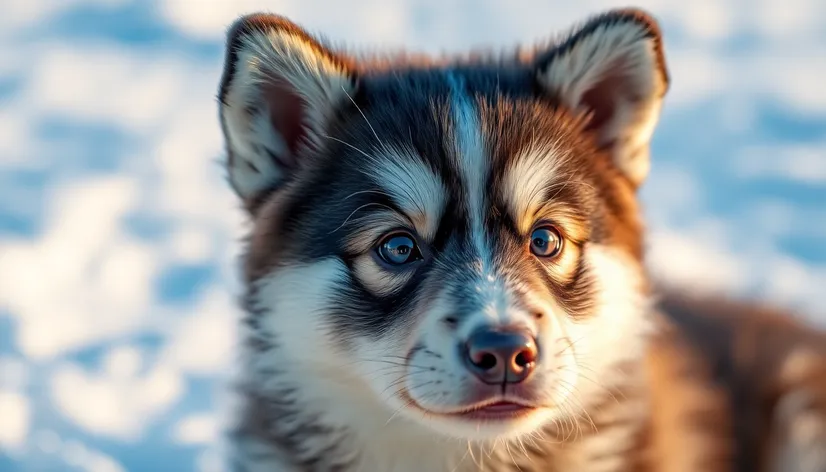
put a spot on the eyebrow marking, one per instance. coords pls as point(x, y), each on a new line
point(350, 216)
point(412, 185)
point(527, 181)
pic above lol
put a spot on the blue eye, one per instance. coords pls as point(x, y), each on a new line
point(546, 241)
point(399, 249)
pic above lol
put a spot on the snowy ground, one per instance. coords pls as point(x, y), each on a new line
point(117, 232)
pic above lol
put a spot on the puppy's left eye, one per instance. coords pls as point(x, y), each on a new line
point(546, 241)
point(399, 249)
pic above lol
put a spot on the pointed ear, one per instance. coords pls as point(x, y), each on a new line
point(279, 91)
point(614, 70)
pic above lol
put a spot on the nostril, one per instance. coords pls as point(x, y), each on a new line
point(484, 361)
point(524, 359)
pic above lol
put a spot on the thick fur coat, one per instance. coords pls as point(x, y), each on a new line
point(412, 217)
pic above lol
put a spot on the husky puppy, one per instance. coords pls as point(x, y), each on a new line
point(445, 269)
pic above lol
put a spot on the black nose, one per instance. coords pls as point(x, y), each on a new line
point(500, 356)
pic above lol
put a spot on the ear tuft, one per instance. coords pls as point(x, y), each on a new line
point(279, 91)
point(612, 69)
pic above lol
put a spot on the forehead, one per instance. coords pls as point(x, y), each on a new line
point(456, 135)
point(428, 100)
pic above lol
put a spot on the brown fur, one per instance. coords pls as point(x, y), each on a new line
point(718, 373)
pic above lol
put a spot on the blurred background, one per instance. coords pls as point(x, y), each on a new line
point(118, 235)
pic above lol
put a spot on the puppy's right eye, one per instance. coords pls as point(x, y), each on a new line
point(399, 249)
point(546, 242)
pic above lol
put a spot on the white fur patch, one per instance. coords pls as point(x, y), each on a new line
point(473, 165)
point(622, 54)
point(295, 301)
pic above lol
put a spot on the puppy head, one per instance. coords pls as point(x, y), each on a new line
point(458, 240)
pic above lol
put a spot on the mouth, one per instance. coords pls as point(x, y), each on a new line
point(494, 411)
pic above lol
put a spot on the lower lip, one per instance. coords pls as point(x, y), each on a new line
point(497, 411)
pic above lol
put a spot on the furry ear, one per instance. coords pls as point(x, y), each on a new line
point(279, 90)
point(613, 69)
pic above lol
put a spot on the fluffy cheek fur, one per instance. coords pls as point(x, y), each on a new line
point(294, 303)
point(616, 331)
point(582, 358)
point(323, 368)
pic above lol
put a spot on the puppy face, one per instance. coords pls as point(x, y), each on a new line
point(457, 243)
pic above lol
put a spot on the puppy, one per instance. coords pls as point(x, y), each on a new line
point(445, 269)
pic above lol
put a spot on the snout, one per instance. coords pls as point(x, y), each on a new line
point(500, 355)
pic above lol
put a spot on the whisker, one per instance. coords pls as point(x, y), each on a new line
point(356, 210)
point(458, 464)
point(386, 361)
point(375, 161)
point(475, 462)
point(411, 401)
point(360, 151)
point(507, 448)
point(366, 191)
point(579, 405)
point(363, 116)
point(396, 383)
point(398, 410)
